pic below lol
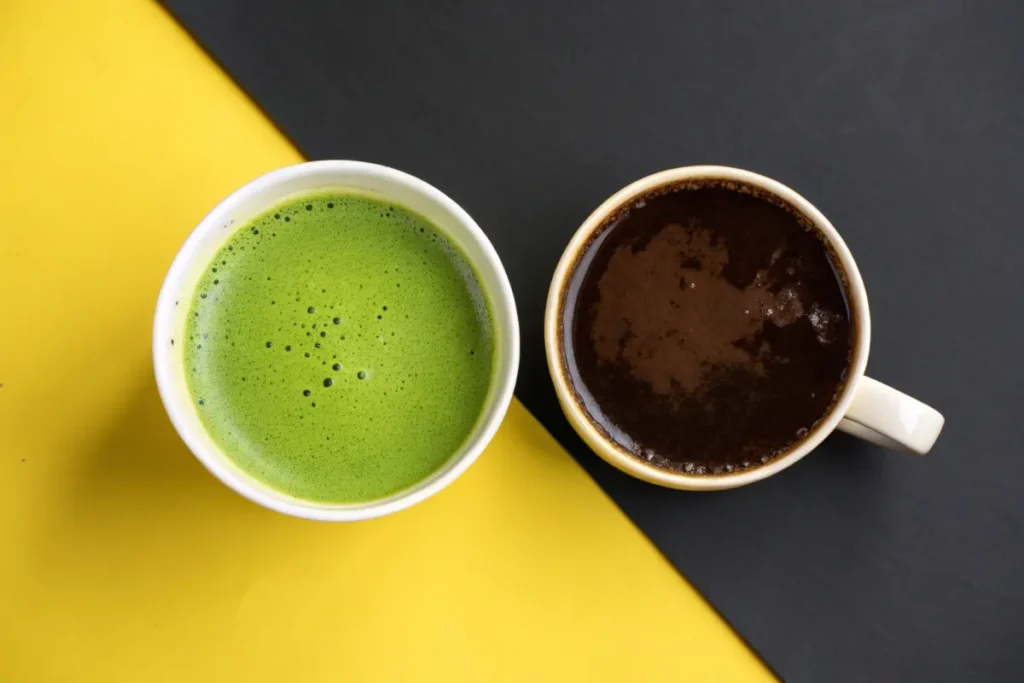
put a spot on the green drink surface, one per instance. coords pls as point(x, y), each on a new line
point(339, 348)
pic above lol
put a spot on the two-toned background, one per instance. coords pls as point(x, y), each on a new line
point(122, 559)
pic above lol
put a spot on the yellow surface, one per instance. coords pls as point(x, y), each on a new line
point(121, 559)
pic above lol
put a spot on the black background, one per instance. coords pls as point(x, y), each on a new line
point(901, 121)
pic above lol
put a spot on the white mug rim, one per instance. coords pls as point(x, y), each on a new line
point(618, 456)
point(503, 305)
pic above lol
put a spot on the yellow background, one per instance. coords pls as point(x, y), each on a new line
point(121, 559)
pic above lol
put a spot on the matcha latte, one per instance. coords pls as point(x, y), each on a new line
point(339, 348)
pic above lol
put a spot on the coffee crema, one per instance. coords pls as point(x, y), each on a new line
point(705, 327)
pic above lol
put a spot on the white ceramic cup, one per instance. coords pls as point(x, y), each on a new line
point(264, 193)
point(866, 408)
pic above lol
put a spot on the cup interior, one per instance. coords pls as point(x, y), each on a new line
point(573, 401)
point(264, 193)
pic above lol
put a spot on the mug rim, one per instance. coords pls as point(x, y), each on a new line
point(219, 463)
point(616, 455)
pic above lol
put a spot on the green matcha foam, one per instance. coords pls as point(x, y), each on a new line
point(339, 348)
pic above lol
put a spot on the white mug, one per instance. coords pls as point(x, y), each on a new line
point(866, 408)
point(264, 193)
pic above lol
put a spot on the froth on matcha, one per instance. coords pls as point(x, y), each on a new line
point(339, 348)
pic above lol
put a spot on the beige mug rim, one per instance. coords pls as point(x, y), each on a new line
point(616, 455)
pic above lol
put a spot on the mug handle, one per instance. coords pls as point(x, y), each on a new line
point(890, 418)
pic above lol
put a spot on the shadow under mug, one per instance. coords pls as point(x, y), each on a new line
point(865, 408)
point(264, 193)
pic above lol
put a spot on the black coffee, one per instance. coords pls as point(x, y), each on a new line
point(706, 328)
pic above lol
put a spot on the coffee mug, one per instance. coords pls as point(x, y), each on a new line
point(270, 190)
point(865, 407)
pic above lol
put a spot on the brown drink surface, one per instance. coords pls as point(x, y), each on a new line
point(706, 328)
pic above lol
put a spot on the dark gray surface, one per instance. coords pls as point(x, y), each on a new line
point(903, 122)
